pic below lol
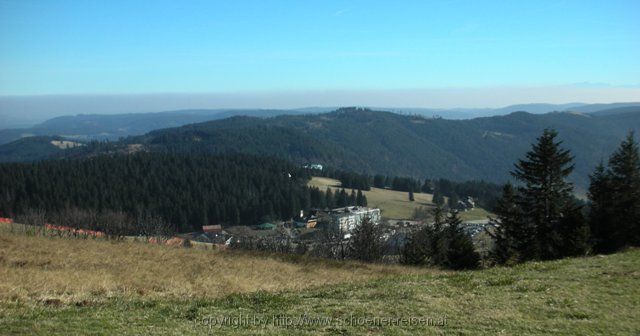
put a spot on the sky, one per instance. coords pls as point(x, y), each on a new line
point(451, 51)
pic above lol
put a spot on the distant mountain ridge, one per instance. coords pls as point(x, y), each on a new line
point(115, 126)
point(383, 142)
point(535, 108)
point(85, 127)
point(363, 140)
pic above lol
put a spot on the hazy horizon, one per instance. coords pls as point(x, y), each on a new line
point(69, 57)
point(25, 110)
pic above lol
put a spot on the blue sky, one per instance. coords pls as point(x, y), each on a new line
point(135, 47)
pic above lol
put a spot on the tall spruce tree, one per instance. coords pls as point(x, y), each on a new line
point(615, 200)
point(625, 178)
point(438, 199)
point(460, 251)
point(366, 242)
point(601, 210)
point(442, 244)
point(416, 248)
point(361, 200)
point(437, 242)
point(353, 198)
point(422, 246)
point(545, 193)
point(513, 236)
point(574, 231)
point(342, 200)
point(452, 202)
point(329, 199)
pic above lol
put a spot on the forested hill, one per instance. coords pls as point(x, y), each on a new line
point(187, 191)
point(113, 127)
point(387, 143)
point(361, 140)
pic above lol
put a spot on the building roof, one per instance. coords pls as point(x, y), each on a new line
point(209, 228)
point(353, 209)
point(266, 226)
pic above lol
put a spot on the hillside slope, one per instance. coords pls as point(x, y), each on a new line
point(115, 126)
point(29, 149)
point(387, 143)
point(368, 141)
point(57, 286)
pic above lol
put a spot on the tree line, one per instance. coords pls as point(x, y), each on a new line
point(484, 193)
point(186, 191)
point(539, 218)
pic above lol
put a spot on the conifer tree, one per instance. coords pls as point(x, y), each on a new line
point(460, 251)
point(452, 202)
point(366, 242)
point(423, 247)
point(378, 181)
point(329, 200)
point(624, 166)
point(427, 187)
point(443, 244)
point(437, 243)
point(545, 193)
point(353, 198)
point(513, 236)
point(416, 248)
point(360, 199)
point(342, 199)
point(601, 210)
point(438, 199)
point(574, 231)
point(614, 196)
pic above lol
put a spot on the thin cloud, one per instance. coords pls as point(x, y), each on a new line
point(341, 12)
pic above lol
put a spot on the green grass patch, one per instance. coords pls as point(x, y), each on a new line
point(396, 204)
point(583, 296)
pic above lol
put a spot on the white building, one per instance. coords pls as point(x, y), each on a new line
point(315, 166)
point(348, 218)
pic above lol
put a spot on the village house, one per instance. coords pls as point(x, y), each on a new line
point(310, 221)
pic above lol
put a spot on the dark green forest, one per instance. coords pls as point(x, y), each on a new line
point(539, 219)
point(186, 191)
point(375, 142)
point(485, 194)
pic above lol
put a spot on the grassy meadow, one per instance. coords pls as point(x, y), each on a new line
point(51, 285)
point(395, 204)
point(72, 270)
point(475, 214)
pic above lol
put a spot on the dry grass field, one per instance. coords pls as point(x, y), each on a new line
point(69, 271)
point(62, 286)
point(395, 204)
point(66, 286)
